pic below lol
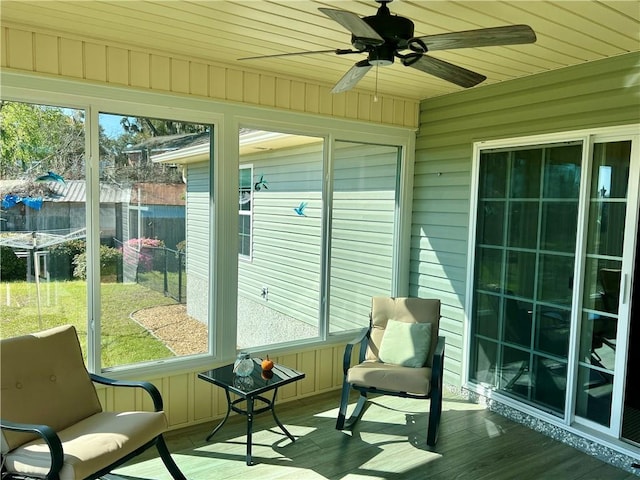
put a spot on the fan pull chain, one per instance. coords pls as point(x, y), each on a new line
point(375, 93)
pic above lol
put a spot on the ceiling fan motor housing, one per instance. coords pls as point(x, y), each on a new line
point(396, 32)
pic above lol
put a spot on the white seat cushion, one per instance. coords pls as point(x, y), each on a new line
point(90, 445)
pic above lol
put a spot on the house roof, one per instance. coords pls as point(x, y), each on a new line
point(166, 143)
point(75, 191)
point(568, 33)
point(70, 191)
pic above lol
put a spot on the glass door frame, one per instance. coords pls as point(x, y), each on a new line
point(628, 257)
point(588, 138)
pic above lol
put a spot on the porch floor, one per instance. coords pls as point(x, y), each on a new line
point(389, 442)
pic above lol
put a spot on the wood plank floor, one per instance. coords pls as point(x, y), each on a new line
point(389, 442)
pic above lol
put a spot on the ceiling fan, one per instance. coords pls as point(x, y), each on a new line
point(384, 36)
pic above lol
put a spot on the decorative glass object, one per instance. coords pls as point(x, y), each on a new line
point(243, 383)
point(243, 365)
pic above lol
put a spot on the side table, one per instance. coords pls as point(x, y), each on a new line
point(249, 389)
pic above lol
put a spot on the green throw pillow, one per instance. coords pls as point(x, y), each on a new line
point(405, 344)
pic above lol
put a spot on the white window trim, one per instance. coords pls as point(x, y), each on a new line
point(248, 213)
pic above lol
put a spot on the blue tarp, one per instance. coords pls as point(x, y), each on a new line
point(11, 200)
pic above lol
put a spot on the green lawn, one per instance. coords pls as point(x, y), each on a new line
point(123, 340)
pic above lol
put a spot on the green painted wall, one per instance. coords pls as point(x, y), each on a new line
point(597, 94)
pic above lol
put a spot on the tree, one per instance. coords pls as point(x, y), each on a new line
point(36, 139)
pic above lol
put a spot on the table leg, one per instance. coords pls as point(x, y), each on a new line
point(249, 428)
point(213, 432)
point(273, 411)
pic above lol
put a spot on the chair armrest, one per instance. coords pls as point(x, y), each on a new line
point(48, 435)
point(437, 364)
point(149, 387)
point(361, 338)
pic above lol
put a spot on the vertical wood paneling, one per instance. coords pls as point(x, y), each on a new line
point(178, 396)
point(160, 68)
point(179, 76)
point(95, 62)
point(3, 46)
point(364, 105)
point(386, 107)
point(202, 400)
point(351, 104)
point(290, 391)
point(283, 89)
point(235, 85)
point(189, 400)
point(46, 53)
point(339, 105)
point(597, 94)
point(375, 114)
point(217, 82)
point(324, 369)
point(20, 53)
point(298, 97)
point(140, 67)
point(312, 98)
point(124, 399)
point(118, 66)
point(251, 87)
point(398, 111)
point(325, 101)
point(307, 364)
point(71, 58)
point(267, 90)
point(198, 79)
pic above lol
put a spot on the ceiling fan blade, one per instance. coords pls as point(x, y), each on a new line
point(484, 37)
point(357, 26)
point(353, 76)
point(446, 71)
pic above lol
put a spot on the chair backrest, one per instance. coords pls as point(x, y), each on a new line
point(402, 309)
point(44, 381)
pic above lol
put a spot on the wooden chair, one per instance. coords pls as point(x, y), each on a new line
point(400, 354)
point(53, 425)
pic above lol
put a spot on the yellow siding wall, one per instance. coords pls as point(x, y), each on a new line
point(92, 61)
point(189, 400)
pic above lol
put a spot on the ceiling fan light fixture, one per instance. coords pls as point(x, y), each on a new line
point(381, 56)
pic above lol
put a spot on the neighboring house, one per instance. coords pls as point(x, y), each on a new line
point(157, 210)
point(65, 209)
point(150, 210)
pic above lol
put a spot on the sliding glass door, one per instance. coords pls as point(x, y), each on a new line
point(553, 257)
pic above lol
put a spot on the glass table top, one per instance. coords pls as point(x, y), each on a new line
point(258, 382)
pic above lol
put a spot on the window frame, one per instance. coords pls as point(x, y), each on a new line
point(246, 213)
point(226, 117)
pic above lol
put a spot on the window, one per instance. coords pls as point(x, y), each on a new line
point(43, 224)
point(279, 290)
point(153, 211)
point(245, 202)
point(140, 227)
point(365, 196)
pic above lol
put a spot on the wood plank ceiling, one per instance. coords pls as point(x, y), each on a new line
point(568, 32)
